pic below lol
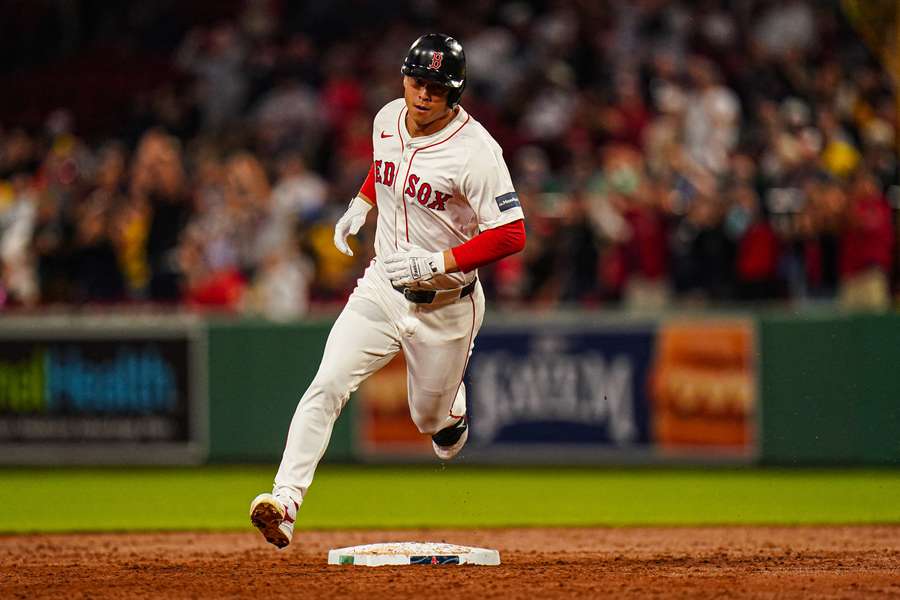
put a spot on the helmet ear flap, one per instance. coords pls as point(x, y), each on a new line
point(454, 95)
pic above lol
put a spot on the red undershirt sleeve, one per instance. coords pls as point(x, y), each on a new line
point(367, 191)
point(490, 246)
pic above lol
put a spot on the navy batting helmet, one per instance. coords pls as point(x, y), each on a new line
point(440, 58)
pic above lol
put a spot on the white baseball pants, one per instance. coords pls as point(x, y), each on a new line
point(377, 322)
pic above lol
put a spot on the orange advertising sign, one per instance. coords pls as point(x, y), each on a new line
point(703, 385)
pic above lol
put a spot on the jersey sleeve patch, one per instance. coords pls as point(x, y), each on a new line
point(507, 201)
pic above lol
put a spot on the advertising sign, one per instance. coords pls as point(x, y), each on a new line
point(560, 394)
point(703, 388)
point(591, 392)
point(110, 393)
point(681, 389)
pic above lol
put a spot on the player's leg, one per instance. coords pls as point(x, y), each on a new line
point(448, 441)
point(361, 341)
point(437, 355)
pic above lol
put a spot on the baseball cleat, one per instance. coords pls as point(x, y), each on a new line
point(449, 441)
point(274, 519)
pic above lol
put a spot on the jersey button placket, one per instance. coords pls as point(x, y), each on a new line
point(405, 158)
point(398, 195)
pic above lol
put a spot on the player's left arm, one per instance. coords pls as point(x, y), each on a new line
point(487, 247)
point(416, 264)
point(486, 185)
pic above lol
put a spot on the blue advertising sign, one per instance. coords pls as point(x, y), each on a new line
point(533, 386)
point(101, 395)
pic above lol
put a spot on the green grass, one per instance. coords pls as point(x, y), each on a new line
point(388, 497)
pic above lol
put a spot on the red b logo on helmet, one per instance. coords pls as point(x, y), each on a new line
point(436, 59)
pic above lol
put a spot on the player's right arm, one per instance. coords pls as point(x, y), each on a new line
point(355, 217)
point(367, 191)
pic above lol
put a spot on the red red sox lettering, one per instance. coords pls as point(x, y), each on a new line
point(386, 171)
point(389, 172)
point(423, 195)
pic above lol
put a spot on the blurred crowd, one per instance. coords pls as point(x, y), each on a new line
point(666, 152)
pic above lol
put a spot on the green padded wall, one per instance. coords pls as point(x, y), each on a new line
point(257, 373)
point(830, 389)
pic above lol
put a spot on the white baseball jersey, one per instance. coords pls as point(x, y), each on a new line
point(440, 190)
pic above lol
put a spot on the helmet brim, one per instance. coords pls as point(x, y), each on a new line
point(431, 75)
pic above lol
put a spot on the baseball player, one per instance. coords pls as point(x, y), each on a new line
point(446, 206)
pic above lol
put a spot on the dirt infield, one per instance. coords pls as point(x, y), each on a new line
point(705, 562)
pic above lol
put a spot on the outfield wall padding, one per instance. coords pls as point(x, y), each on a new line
point(257, 373)
point(830, 389)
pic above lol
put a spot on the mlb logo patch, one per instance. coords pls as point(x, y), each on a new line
point(507, 201)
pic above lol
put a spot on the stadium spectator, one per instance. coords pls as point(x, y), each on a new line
point(867, 244)
point(18, 212)
point(758, 251)
point(216, 57)
point(159, 181)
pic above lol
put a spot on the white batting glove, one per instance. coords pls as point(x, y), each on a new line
point(413, 264)
point(350, 224)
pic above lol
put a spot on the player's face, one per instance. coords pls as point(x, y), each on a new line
point(425, 100)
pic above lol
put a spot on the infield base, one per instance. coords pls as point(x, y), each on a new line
point(412, 553)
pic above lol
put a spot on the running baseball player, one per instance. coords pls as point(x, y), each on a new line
point(446, 206)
